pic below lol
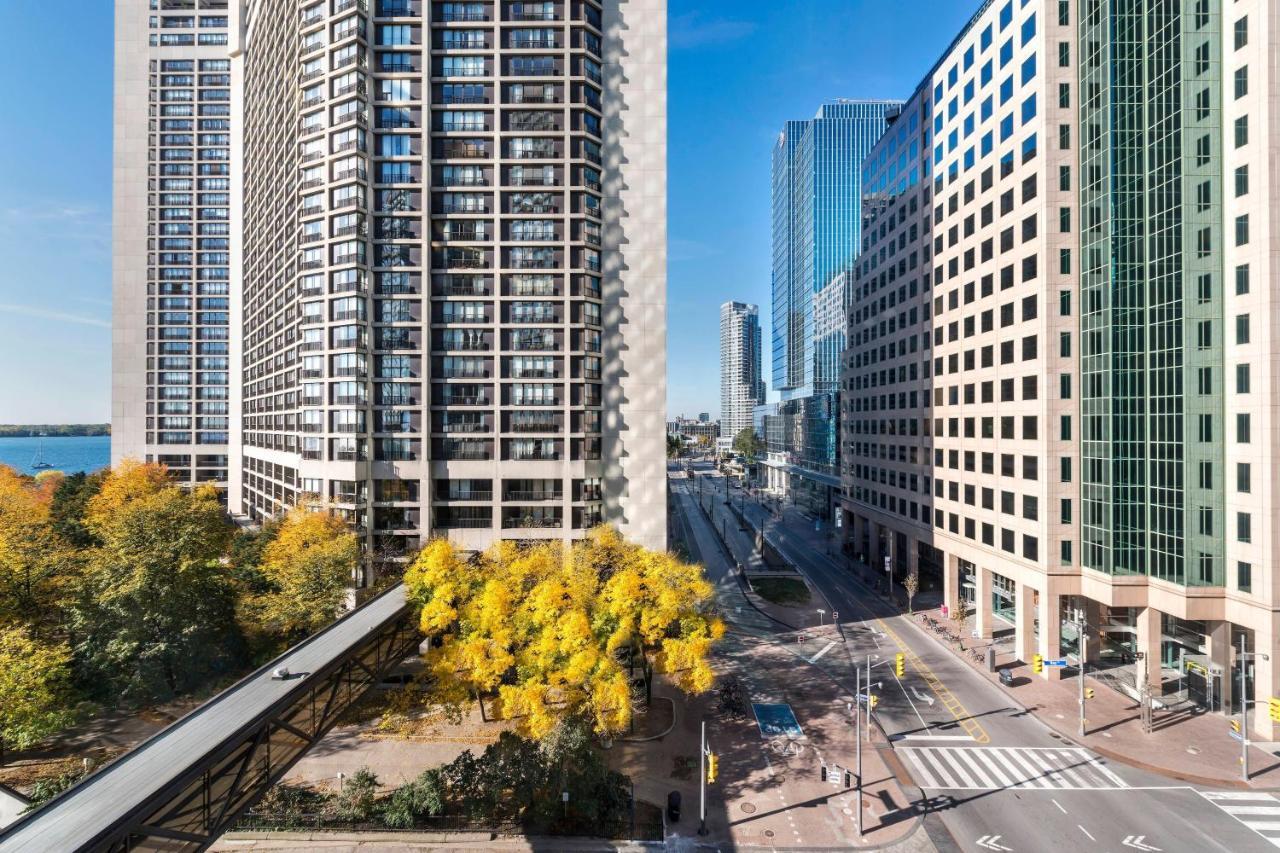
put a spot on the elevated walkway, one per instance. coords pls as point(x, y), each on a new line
point(182, 788)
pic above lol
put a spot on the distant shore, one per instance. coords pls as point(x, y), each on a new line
point(53, 430)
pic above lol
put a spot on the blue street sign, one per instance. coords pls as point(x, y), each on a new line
point(1058, 662)
point(1235, 735)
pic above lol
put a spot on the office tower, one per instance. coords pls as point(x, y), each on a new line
point(817, 220)
point(171, 237)
point(453, 285)
point(817, 199)
point(741, 385)
point(1057, 391)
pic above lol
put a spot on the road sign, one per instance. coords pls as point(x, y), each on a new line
point(1056, 662)
point(1235, 735)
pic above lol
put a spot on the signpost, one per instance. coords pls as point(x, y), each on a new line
point(1058, 662)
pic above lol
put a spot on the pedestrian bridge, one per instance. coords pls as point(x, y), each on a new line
point(184, 787)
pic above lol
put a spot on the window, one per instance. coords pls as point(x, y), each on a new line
point(1244, 527)
point(1242, 81)
point(1064, 469)
point(1064, 178)
point(1064, 54)
point(1242, 378)
point(1242, 230)
point(1244, 478)
point(1242, 279)
point(1244, 577)
point(1242, 131)
point(1242, 180)
point(1028, 29)
point(1064, 261)
point(1064, 95)
point(1028, 69)
point(1242, 328)
point(1242, 428)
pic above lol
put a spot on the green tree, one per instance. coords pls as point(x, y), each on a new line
point(308, 567)
point(70, 504)
point(36, 568)
point(417, 799)
point(674, 446)
point(912, 585)
point(746, 443)
point(358, 797)
point(34, 688)
point(155, 615)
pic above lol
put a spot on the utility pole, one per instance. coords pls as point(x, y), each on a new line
point(702, 777)
point(1080, 626)
point(857, 731)
point(868, 698)
point(1244, 716)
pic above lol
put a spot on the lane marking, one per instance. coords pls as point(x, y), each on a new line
point(965, 738)
point(1058, 804)
point(1086, 832)
point(821, 652)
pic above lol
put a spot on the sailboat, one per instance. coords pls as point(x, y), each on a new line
point(38, 463)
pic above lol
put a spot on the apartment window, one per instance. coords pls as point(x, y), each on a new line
point(1242, 131)
point(1064, 54)
point(1242, 279)
point(1242, 328)
point(1066, 552)
point(1064, 469)
point(1244, 478)
point(1242, 230)
point(1064, 95)
point(1206, 474)
point(1244, 577)
point(1242, 428)
point(1064, 261)
point(1244, 527)
point(1242, 180)
point(1064, 136)
point(1242, 81)
point(1064, 178)
point(1242, 378)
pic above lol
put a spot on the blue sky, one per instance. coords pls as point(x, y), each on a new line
point(738, 71)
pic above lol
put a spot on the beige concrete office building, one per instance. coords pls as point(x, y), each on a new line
point(453, 289)
point(1058, 388)
point(171, 264)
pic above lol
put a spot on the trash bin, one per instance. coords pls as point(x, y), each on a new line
point(673, 806)
point(991, 658)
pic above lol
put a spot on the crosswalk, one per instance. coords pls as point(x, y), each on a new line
point(1257, 810)
point(995, 768)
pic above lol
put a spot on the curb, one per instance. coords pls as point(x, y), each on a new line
point(658, 736)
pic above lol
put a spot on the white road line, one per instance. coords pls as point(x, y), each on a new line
point(1101, 767)
point(999, 768)
point(975, 765)
point(1059, 805)
point(909, 702)
point(1031, 778)
point(1236, 795)
point(1086, 832)
point(967, 738)
point(996, 767)
point(1243, 807)
point(821, 652)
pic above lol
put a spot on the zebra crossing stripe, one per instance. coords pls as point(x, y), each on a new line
point(1246, 807)
point(997, 768)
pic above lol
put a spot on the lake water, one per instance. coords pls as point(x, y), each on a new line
point(68, 453)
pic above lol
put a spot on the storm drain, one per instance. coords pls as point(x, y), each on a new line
point(748, 808)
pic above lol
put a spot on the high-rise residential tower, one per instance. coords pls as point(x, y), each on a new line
point(817, 222)
point(171, 267)
point(452, 296)
point(1058, 391)
point(741, 383)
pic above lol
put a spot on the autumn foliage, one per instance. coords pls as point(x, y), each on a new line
point(551, 630)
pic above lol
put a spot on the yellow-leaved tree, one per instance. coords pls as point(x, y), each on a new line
point(36, 568)
point(550, 629)
point(308, 566)
point(34, 688)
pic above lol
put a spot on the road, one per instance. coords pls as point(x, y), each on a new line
point(999, 778)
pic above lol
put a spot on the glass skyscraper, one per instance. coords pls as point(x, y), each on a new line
point(817, 216)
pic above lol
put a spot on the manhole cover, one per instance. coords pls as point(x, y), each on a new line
point(749, 808)
point(768, 833)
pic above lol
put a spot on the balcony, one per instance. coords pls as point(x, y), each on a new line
point(464, 455)
point(474, 495)
point(541, 495)
point(465, 400)
point(529, 523)
point(463, 16)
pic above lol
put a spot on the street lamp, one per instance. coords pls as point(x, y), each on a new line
point(1244, 708)
point(821, 613)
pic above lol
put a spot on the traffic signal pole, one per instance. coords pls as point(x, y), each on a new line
point(1080, 643)
point(702, 780)
point(1244, 716)
point(857, 715)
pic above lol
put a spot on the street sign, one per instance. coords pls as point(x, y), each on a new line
point(1235, 735)
point(1056, 662)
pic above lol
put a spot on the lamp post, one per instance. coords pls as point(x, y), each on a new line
point(1244, 709)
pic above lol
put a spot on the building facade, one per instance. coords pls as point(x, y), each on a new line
point(171, 256)
point(452, 293)
point(1057, 391)
point(741, 382)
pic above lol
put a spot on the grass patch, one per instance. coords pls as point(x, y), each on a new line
point(786, 591)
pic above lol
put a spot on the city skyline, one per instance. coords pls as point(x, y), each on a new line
point(57, 322)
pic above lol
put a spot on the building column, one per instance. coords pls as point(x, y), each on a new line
point(1024, 630)
point(950, 583)
point(1149, 645)
point(982, 603)
point(1093, 631)
point(1218, 645)
point(1265, 684)
point(1050, 645)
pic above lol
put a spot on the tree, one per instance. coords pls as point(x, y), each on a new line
point(356, 800)
point(419, 798)
point(70, 504)
point(155, 615)
point(746, 443)
point(675, 446)
point(548, 628)
point(961, 614)
point(34, 688)
point(912, 585)
point(308, 568)
point(35, 567)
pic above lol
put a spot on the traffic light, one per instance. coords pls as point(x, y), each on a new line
point(871, 701)
point(1037, 664)
point(1273, 706)
point(1235, 726)
point(899, 664)
point(1088, 693)
point(713, 766)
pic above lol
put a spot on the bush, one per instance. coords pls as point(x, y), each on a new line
point(413, 801)
point(357, 799)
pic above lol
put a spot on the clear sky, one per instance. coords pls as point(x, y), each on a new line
point(738, 71)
